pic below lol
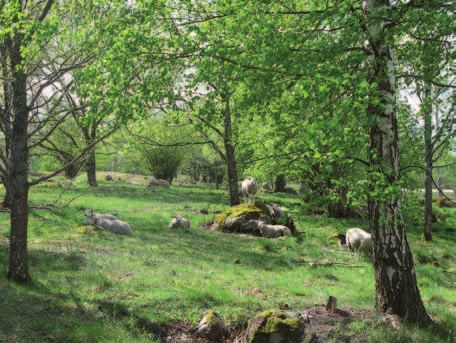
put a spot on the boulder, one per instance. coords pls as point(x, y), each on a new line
point(211, 327)
point(244, 218)
point(274, 327)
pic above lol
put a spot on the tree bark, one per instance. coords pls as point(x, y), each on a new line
point(280, 183)
point(428, 165)
point(18, 171)
point(395, 278)
point(91, 167)
point(230, 156)
point(7, 201)
point(90, 136)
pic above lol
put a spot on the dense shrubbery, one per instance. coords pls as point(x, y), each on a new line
point(163, 162)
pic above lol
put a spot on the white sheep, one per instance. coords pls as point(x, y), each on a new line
point(359, 241)
point(116, 226)
point(278, 212)
point(90, 213)
point(271, 231)
point(179, 222)
point(249, 188)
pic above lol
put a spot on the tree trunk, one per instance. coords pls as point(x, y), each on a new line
point(337, 209)
point(428, 166)
point(91, 167)
point(90, 135)
point(280, 184)
point(7, 201)
point(231, 158)
point(395, 278)
point(18, 172)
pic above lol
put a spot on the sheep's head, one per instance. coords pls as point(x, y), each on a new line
point(90, 216)
point(89, 213)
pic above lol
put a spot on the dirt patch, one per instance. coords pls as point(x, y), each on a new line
point(320, 327)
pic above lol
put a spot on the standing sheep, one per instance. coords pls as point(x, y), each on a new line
point(359, 241)
point(179, 222)
point(116, 226)
point(250, 188)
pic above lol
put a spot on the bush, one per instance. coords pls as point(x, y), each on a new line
point(163, 162)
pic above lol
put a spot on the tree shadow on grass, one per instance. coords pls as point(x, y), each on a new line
point(34, 313)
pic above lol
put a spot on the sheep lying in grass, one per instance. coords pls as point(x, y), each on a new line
point(249, 188)
point(359, 241)
point(113, 225)
point(278, 212)
point(179, 222)
point(271, 231)
point(90, 213)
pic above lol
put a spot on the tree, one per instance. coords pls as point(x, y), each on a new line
point(64, 146)
point(437, 114)
point(163, 162)
point(429, 83)
point(33, 68)
point(227, 153)
point(16, 35)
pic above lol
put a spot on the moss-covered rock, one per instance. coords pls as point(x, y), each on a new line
point(274, 327)
point(212, 327)
point(245, 218)
point(242, 219)
point(251, 211)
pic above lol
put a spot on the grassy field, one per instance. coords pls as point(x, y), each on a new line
point(94, 286)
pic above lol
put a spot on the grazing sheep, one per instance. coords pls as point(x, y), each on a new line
point(116, 226)
point(271, 231)
point(90, 213)
point(359, 241)
point(250, 188)
point(179, 222)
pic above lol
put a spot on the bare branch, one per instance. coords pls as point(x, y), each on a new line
point(76, 158)
point(422, 77)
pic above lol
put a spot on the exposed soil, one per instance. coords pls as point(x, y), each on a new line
point(320, 326)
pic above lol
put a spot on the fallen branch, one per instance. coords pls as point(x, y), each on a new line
point(314, 264)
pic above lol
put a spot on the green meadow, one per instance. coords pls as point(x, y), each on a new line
point(94, 286)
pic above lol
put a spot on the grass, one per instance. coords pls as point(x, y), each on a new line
point(94, 286)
